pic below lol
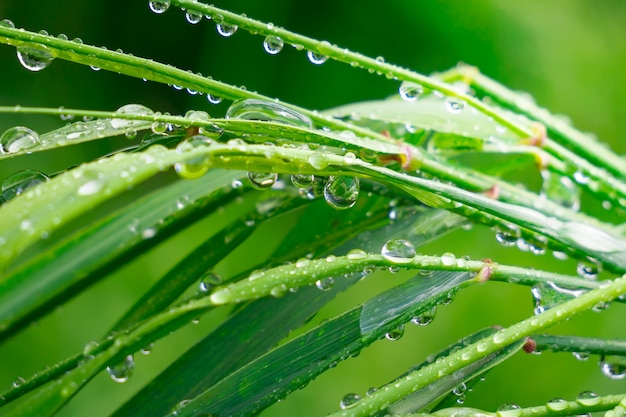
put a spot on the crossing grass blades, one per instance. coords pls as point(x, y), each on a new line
point(372, 182)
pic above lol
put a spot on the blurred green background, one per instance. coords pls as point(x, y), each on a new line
point(569, 54)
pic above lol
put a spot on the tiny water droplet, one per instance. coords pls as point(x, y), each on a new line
point(557, 404)
point(613, 367)
point(18, 138)
point(454, 105)
point(193, 17)
point(19, 182)
point(341, 192)
point(349, 400)
point(395, 334)
point(34, 59)
point(325, 284)
point(278, 291)
point(19, 381)
point(226, 30)
point(122, 371)
point(159, 6)
point(209, 281)
point(398, 251)
point(510, 408)
point(581, 356)
point(371, 391)
point(316, 58)
point(588, 398)
point(262, 180)
point(273, 44)
point(410, 91)
point(426, 317)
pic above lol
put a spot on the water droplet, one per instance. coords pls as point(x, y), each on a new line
point(459, 390)
point(19, 138)
point(193, 17)
point(356, 254)
point(159, 6)
point(507, 236)
point(510, 408)
point(588, 270)
point(588, 398)
point(213, 99)
point(410, 91)
point(395, 334)
point(90, 348)
point(34, 59)
point(209, 281)
point(454, 105)
point(262, 180)
point(448, 259)
point(549, 295)
point(557, 404)
point(371, 391)
point(613, 367)
point(302, 180)
point(278, 291)
point(19, 381)
point(122, 371)
point(130, 109)
point(273, 44)
point(349, 400)
point(560, 189)
point(581, 356)
point(159, 128)
point(7, 23)
point(19, 182)
point(341, 192)
point(426, 317)
point(194, 167)
point(316, 58)
point(226, 30)
point(581, 178)
point(325, 284)
point(398, 251)
point(253, 109)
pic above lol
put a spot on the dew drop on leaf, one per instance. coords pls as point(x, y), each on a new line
point(588, 270)
point(193, 17)
point(253, 109)
point(349, 400)
point(325, 284)
point(159, 6)
point(398, 251)
point(262, 180)
point(588, 398)
point(448, 259)
point(19, 138)
point(454, 105)
point(613, 367)
point(7, 23)
point(213, 99)
point(273, 44)
point(425, 318)
point(581, 356)
point(34, 59)
point(410, 91)
point(130, 109)
point(395, 334)
point(557, 404)
point(316, 58)
point(341, 192)
point(122, 371)
point(209, 281)
point(302, 180)
point(226, 29)
point(19, 182)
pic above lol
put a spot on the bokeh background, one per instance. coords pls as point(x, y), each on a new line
point(569, 54)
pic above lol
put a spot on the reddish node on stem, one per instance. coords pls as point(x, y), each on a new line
point(539, 135)
point(492, 193)
point(385, 133)
point(529, 345)
point(485, 271)
point(192, 131)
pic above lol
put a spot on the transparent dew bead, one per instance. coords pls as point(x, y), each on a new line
point(192, 168)
point(613, 367)
point(226, 30)
point(7, 23)
point(122, 371)
point(262, 180)
point(325, 284)
point(425, 318)
point(398, 251)
point(356, 254)
point(193, 17)
point(273, 44)
point(159, 6)
point(268, 111)
point(588, 398)
point(316, 58)
point(349, 401)
point(213, 99)
point(587, 270)
point(341, 192)
point(448, 259)
point(17, 139)
point(581, 356)
point(34, 59)
point(454, 105)
point(130, 109)
point(209, 281)
point(19, 182)
point(557, 404)
point(395, 334)
point(302, 180)
point(410, 91)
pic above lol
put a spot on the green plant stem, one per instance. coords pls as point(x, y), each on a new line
point(577, 344)
point(569, 408)
point(421, 378)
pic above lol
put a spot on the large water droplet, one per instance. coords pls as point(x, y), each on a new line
point(122, 371)
point(588, 398)
point(262, 180)
point(349, 400)
point(560, 189)
point(134, 109)
point(34, 59)
point(7, 23)
point(448, 259)
point(193, 17)
point(549, 295)
point(226, 29)
point(341, 192)
point(398, 251)
point(613, 367)
point(273, 44)
point(159, 6)
point(253, 109)
point(302, 180)
point(18, 139)
point(557, 404)
point(19, 182)
point(193, 168)
point(316, 58)
point(410, 91)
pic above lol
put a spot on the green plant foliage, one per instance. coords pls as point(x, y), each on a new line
point(292, 234)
